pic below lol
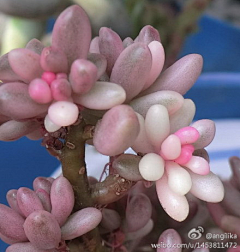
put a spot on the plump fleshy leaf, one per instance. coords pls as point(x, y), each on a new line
point(126, 165)
point(198, 165)
point(42, 230)
point(110, 45)
point(26, 247)
point(13, 130)
point(127, 42)
point(103, 95)
point(142, 144)
point(35, 45)
point(206, 129)
point(170, 99)
point(116, 131)
point(83, 76)
point(62, 199)
point(175, 205)
point(138, 212)
point(25, 63)
point(189, 68)
point(45, 199)
point(169, 238)
point(61, 89)
point(54, 60)
point(16, 102)
point(28, 201)
point(208, 187)
point(94, 45)
point(81, 222)
point(111, 219)
point(72, 23)
point(157, 125)
point(147, 35)
point(11, 226)
point(42, 183)
point(100, 62)
point(171, 147)
point(182, 117)
point(11, 197)
point(132, 68)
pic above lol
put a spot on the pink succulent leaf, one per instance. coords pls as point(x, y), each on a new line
point(62, 199)
point(72, 23)
point(170, 99)
point(16, 102)
point(12, 201)
point(42, 230)
point(42, 183)
point(27, 247)
point(147, 35)
point(188, 67)
point(94, 45)
point(13, 130)
point(132, 68)
point(81, 222)
point(6, 72)
point(11, 226)
point(127, 42)
point(170, 238)
point(116, 131)
point(50, 58)
point(111, 219)
point(99, 61)
point(110, 45)
point(61, 90)
point(28, 201)
point(45, 199)
point(25, 63)
point(35, 45)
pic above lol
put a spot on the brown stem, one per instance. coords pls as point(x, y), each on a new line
point(111, 189)
point(74, 169)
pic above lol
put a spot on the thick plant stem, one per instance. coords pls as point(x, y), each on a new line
point(74, 169)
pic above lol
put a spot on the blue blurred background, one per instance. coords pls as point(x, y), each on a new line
point(216, 94)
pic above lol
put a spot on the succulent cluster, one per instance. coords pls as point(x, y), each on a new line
point(118, 90)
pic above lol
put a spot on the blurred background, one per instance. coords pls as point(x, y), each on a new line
point(208, 27)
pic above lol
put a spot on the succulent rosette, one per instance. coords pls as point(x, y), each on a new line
point(41, 219)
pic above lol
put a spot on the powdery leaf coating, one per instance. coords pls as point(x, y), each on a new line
point(50, 58)
point(81, 222)
point(158, 58)
point(72, 23)
point(208, 187)
point(42, 230)
point(183, 116)
point(157, 125)
point(61, 89)
point(26, 247)
point(147, 35)
point(170, 99)
point(126, 165)
point(62, 199)
point(141, 232)
point(169, 238)
point(28, 201)
point(110, 45)
point(138, 212)
point(142, 144)
point(63, 113)
point(206, 129)
point(103, 95)
point(188, 67)
point(83, 76)
point(11, 225)
point(16, 102)
point(116, 131)
point(132, 68)
point(40, 91)
point(25, 63)
point(35, 45)
point(171, 147)
point(179, 179)
point(175, 205)
point(111, 219)
point(13, 130)
point(151, 167)
point(42, 183)
point(99, 61)
point(6, 72)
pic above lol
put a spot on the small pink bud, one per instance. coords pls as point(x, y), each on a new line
point(187, 135)
point(49, 77)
